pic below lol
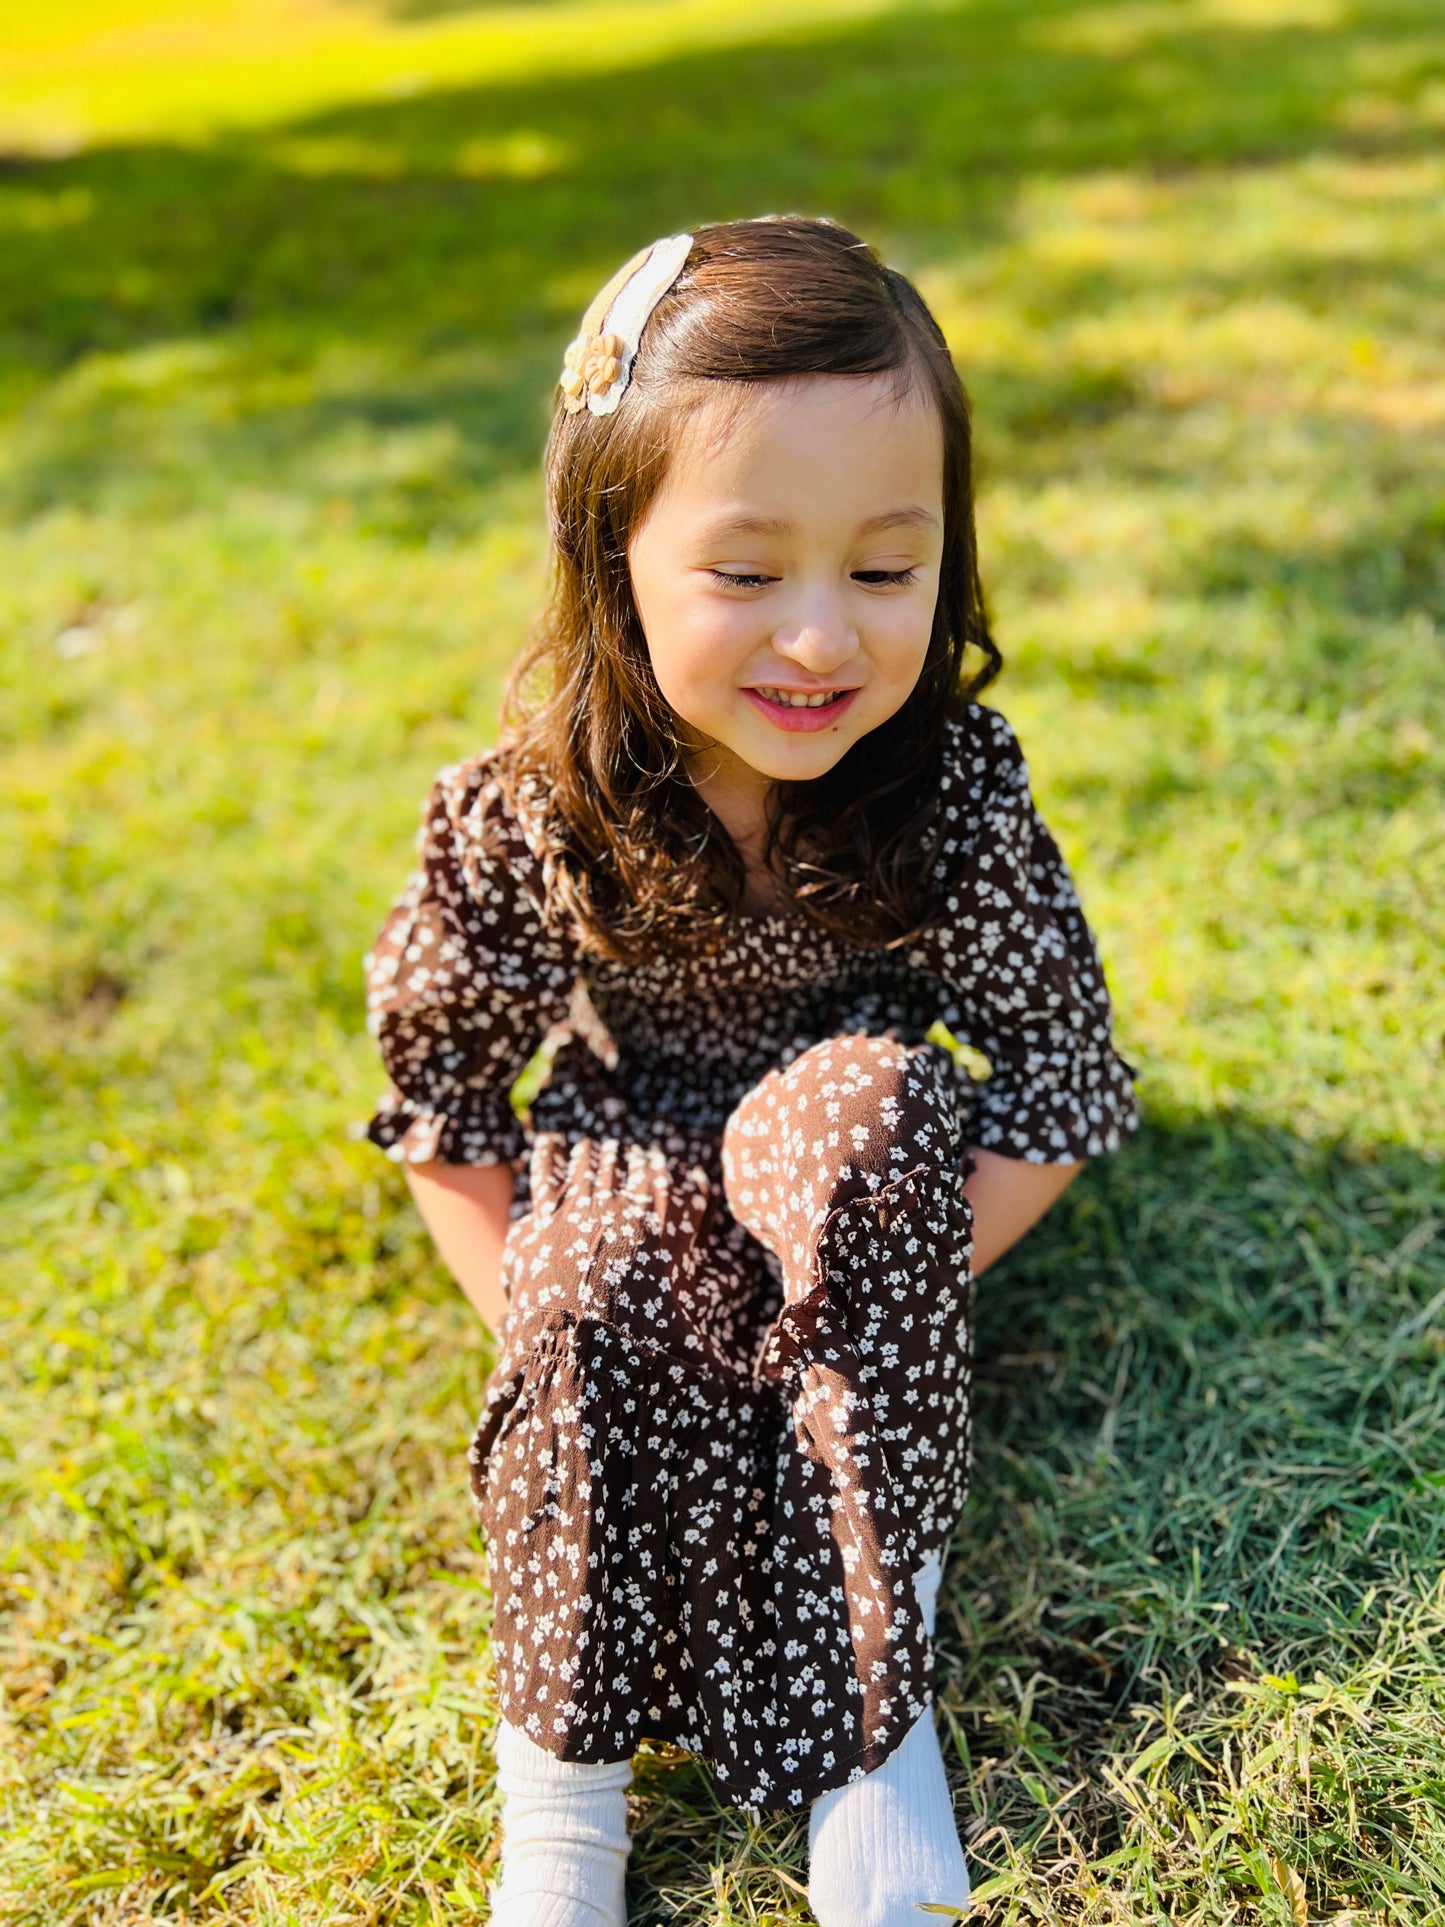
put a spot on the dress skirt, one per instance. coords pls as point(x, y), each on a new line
point(731, 1418)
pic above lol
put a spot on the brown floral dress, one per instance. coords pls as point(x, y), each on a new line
point(730, 1415)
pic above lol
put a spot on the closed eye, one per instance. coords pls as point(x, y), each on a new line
point(740, 581)
point(872, 578)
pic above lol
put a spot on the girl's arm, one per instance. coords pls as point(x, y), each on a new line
point(1008, 1197)
point(464, 1207)
point(465, 979)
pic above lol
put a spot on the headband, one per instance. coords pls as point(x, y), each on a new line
point(598, 365)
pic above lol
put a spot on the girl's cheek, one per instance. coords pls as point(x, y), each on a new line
point(716, 631)
point(905, 634)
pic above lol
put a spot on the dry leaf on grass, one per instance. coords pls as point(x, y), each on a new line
point(1293, 1889)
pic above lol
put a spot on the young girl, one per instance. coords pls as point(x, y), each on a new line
point(746, 839)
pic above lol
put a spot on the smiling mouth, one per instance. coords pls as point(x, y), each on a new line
point(798, 699)
point(801, 711)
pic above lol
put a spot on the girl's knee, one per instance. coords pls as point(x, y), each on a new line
point(910, 1086)
point(876, 1087)
point(850, 1064)
point(856, 1105)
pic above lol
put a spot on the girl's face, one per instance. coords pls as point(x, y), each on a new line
point(792, 550)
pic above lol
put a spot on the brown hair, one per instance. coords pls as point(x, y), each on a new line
point(638, 859)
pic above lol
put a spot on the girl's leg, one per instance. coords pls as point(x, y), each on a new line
point(886, 1844)
point(611, 1238)
point(854, 1121)
point(848, 1167)
point(564, 1838)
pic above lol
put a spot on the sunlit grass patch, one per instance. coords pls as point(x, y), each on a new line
point(112, 69)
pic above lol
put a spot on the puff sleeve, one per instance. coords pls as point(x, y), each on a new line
point(1016, 967)
point(463, 981)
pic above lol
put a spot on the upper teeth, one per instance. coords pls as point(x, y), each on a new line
point(799, 702)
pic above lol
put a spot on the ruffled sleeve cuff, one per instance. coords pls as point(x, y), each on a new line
point(478, 1127)
point(1058, 1108)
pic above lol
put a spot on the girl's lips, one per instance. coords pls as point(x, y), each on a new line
point(803, 718)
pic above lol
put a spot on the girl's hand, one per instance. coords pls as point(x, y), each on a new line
point(465, 1208)
point(1008, 1197)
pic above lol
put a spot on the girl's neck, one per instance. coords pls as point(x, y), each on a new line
point(738, 798)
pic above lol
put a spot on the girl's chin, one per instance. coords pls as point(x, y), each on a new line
point(801, 754)
point(749, 748)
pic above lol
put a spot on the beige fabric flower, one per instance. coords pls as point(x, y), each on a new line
point(590, 366)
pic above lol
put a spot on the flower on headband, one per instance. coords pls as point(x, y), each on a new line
point(590, 366)
point(598, 366)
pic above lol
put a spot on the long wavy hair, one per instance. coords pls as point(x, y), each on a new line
point(636, 859)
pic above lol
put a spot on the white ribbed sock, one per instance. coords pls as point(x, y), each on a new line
point(564, 1838)
point(886, 1844)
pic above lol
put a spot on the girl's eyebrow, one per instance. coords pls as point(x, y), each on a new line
point(912, 517)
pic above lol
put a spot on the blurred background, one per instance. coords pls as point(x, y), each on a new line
point(284, 288)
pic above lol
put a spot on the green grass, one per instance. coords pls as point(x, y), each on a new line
point(276, 346)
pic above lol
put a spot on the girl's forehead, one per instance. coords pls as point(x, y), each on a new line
point(730, 411)
point(770, 435)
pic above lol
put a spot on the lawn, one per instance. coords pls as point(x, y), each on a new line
point(283, 290)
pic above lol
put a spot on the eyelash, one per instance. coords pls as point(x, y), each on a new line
point(873, 578)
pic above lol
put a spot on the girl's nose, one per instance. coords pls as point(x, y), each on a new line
point(819, 636)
